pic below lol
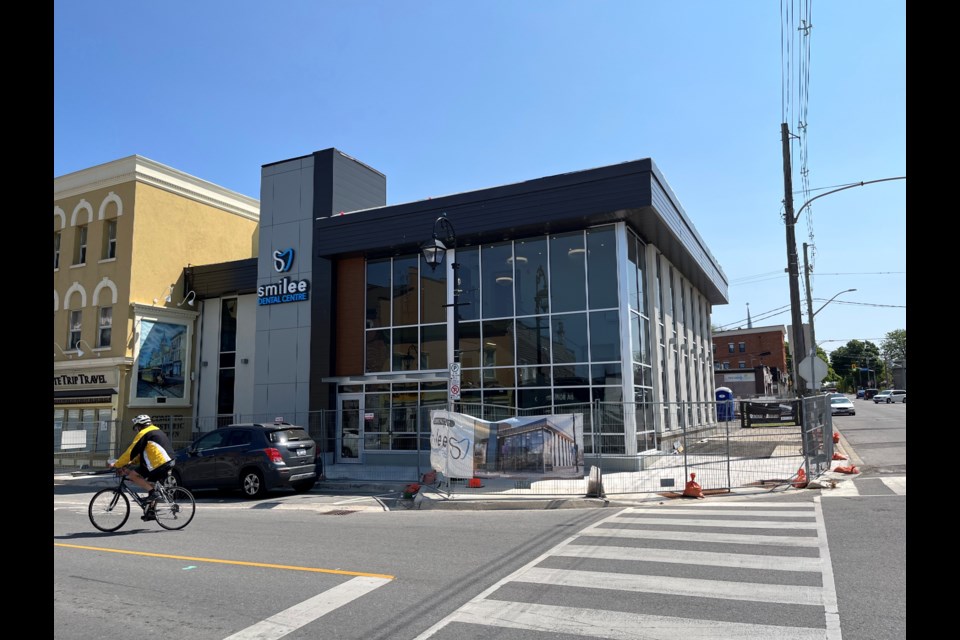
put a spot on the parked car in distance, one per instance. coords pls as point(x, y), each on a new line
point(897, 395)
point(869, 393)
point(253, 458)
point(842, 407)
point(860, 393)
point(883, 396)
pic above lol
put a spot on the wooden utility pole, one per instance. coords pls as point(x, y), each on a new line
point(793, 263)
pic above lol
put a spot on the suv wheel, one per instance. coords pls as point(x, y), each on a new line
point(252, 485)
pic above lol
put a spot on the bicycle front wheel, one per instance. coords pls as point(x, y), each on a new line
point(109, 509)
point(176, 511)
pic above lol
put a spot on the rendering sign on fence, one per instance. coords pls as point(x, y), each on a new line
point(462, 446)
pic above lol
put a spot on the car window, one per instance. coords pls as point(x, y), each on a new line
point(239, 437)
point(288, 435)
point(211, 440)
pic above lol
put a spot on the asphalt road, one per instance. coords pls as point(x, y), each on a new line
point(791, 565)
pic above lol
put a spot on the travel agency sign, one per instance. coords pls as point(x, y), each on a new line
point(287, 289)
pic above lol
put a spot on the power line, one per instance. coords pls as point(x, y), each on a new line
point(776, 275)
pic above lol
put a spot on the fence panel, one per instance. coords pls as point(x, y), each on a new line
point(725, 447)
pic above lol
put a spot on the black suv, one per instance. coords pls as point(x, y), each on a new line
point(254, 458)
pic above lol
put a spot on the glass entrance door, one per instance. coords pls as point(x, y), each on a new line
point(350, 428)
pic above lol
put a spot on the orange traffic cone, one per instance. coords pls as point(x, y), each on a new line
point(836, 437)
point(692, 490)
point(474, 483)
point(801, 481)
point(839, 456)
point(850, 469)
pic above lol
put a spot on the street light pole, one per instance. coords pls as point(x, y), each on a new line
point(814, 384)
point(790, 218)
point(433, 251)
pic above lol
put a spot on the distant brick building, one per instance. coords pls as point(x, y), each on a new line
point(758, 350)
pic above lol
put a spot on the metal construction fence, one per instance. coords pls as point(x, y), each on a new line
point(748, 444)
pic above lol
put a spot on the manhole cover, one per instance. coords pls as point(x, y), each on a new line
point(337, 512)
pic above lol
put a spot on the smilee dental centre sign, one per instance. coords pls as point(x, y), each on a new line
point(288, 289)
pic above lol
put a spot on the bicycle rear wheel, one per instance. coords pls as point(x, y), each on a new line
point(109, 509)
point(177, 510)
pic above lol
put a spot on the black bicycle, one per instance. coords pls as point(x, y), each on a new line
point(173, 509)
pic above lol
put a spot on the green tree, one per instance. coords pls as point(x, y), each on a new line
point(858, 363)
point(894, 345)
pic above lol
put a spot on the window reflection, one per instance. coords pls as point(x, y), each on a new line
point(569, 336)
point(497, 277)
point(568, 272)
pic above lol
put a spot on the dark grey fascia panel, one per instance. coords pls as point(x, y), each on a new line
point(633, 191)
point(222, 279)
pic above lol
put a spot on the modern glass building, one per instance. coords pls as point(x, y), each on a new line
point(589, 291)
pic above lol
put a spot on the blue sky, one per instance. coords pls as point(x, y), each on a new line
point(445, 97)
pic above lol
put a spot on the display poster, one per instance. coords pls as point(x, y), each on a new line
point(550, 446)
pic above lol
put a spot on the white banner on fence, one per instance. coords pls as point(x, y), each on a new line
point(451, 444)
point(547, 446)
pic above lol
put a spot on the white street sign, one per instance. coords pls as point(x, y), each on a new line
point(454, 381)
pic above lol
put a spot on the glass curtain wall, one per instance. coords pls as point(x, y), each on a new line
point(539, 334)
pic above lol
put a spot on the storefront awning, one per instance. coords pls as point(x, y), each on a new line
point(85, 396)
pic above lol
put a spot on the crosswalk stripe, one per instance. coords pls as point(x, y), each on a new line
point(807, 513)
point(897, 485)
point(783, 541)
point(740, 504)
point(850, 488)
point(735, 524)
point(614, 625)
point(681, 556)
point(727, 590)
point(289, 620)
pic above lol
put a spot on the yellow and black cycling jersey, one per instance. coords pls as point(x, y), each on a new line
point(151, 448)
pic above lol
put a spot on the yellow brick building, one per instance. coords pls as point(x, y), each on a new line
point(123, 330)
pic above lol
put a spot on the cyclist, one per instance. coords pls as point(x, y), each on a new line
point(152, 452)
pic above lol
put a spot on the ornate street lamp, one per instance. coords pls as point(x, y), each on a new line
point(444, 237)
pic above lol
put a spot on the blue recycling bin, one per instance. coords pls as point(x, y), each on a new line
point(725, 406)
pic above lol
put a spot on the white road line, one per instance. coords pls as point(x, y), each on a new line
point(743, 503)
point(616, 625)
point(289, 620)
point(829, 589)
point(897, 485)
point(723, 589)
point(686, 536)
point(680, 556)
point(734, 524)
point(709, 511)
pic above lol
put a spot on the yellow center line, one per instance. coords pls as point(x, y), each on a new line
point(237, 562)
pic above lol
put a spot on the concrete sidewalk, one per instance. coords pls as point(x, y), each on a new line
point(493, 494)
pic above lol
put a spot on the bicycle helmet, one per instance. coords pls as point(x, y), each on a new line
point(142, 420)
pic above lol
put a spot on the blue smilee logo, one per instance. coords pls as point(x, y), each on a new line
point(283, 260)
point(286, 290)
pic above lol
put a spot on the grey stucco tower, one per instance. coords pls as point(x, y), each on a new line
point(293, 338)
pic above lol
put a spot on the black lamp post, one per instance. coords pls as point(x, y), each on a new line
point(433, 251)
